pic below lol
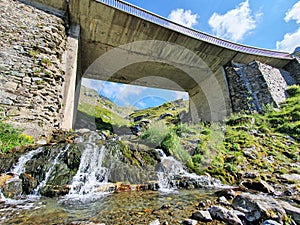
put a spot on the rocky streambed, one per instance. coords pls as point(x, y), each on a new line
point(94, 178)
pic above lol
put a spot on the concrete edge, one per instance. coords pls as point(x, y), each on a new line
point(70, 60)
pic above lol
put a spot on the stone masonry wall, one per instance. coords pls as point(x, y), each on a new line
point(294, 68)
point(255, 85)
point(32, 44)
point(238, 91)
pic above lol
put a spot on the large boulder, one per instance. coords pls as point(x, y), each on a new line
point(223, 214)
point(258, 207)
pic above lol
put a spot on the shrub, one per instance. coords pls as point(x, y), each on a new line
point(172, 144)
point(11, 137)
point(155, 134)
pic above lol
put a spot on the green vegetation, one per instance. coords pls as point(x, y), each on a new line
point(265, 145)
point(105, 119)
point(10, 138)
point(170, 112)
point(155, 134)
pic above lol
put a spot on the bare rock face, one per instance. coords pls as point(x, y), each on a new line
point(258, 207)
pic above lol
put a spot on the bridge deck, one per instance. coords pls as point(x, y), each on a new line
point(151, 17)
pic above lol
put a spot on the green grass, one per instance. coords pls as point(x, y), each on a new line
point(267, 144)
point(10, 137)
point(102, 114)
point(155, 134)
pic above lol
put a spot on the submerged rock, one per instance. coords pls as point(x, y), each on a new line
point(202, 215)
point(189, 222)
point(223, 214)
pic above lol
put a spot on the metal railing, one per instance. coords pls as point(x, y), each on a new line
point(151, 17)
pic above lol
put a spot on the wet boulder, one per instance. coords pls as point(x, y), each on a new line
point(28, 183)
point(223, 214)
point(12, 187)
point(258, 207)
point(55, 190)
point(261, 186)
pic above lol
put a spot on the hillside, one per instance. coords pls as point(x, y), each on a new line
point(260, 146)
point(97, 112)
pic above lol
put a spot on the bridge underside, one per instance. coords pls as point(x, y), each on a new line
point(120, 47)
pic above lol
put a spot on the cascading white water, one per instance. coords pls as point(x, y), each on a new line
point(168, 168)
point(2, 197)
point(91, 174)
point(47, 175)
point(20, 166)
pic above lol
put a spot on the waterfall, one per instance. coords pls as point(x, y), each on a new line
point(47, 175)
point(91, 174)
point(172, 174)
point(20, 166)
point(2, 197)
point(167, 170)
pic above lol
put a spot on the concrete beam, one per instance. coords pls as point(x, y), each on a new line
point(70, 62)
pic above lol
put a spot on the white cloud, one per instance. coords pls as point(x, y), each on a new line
point(181, 95)
point(93, 84)
point(130, 90)
point(290, 42)
point(234, 24)
point(111, 90)
point(293, 13)
point(183, 17)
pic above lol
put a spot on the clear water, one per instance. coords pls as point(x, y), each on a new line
point(112, 209)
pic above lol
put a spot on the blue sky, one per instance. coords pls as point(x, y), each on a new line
point(270, 24)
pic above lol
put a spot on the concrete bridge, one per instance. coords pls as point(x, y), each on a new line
point(120, 42)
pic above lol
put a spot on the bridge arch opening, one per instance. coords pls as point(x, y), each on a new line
point(165, 65)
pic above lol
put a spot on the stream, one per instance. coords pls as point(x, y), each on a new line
point(141, 207)
point(91, 181)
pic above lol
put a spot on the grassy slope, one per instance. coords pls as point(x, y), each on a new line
point(267, 145)
point(11, 137)
point(105, 112)
point(173, 108)
point(262, 145)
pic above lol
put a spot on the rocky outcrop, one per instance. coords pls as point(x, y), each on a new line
point(31, 75)
point(254, 86)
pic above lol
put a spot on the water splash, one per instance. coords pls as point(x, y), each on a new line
point(167, 170)
point(20, 166)
point(2, 197)
point(172, 174)
point(47, 175)
point(91, 175)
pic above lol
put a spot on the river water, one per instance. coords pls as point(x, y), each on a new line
point(85, 204)
point(140, 207)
